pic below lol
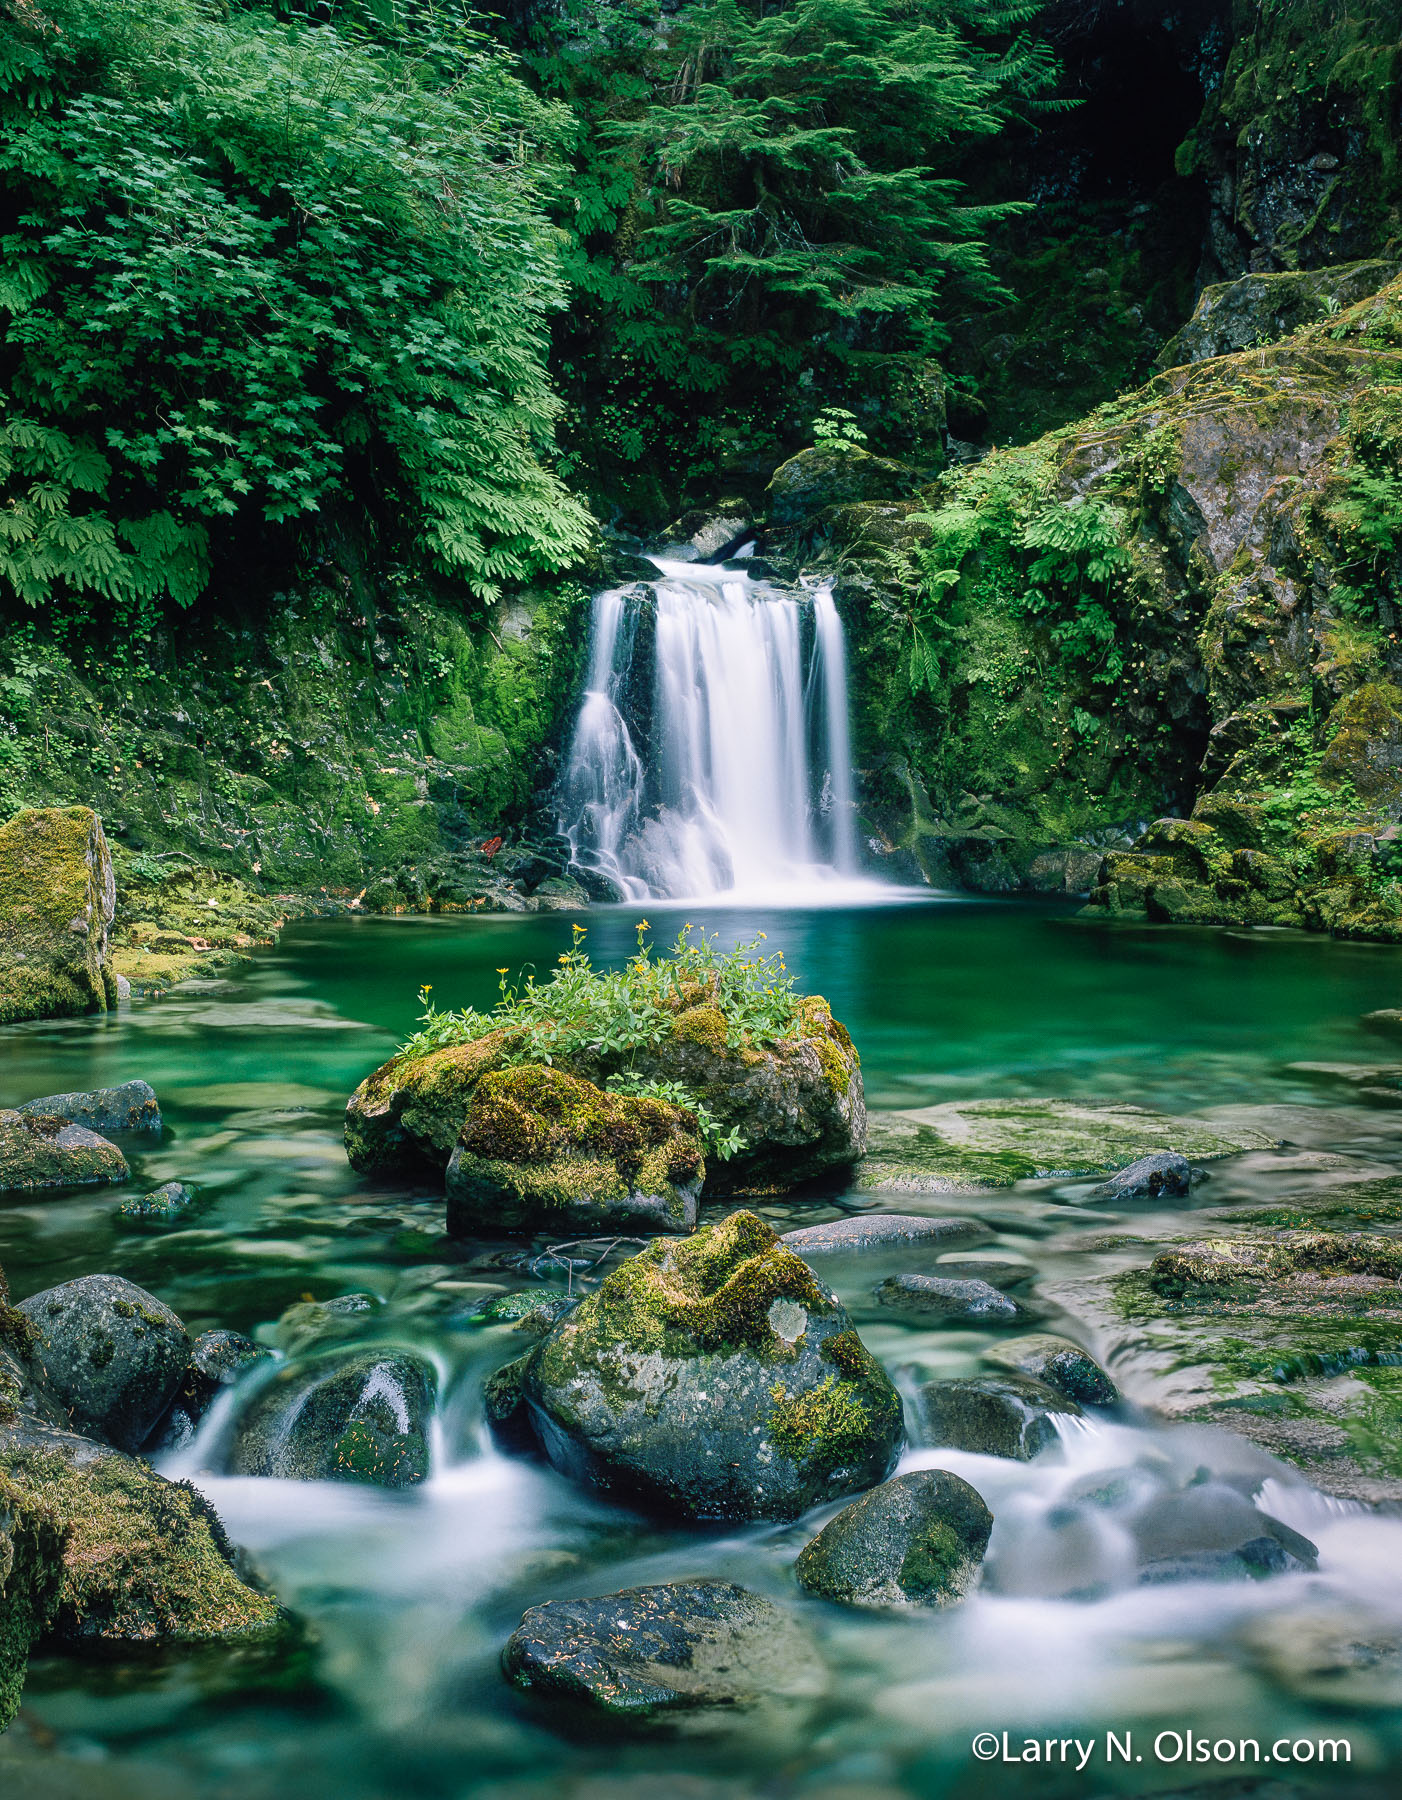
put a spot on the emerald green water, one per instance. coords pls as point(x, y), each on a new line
point(407, 1598)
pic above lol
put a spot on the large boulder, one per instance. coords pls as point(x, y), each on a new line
point(358, 1416)
point(31, 1569)
point(711, 1377)
point(543, 1150)
point(109, 1354)
point(145, 1560)
point(829, 475)
point(39, 1152)
point(916, 1541)
point(668, 1648)
point(57, 896)
point(1256, 309)
point(409, 1114)
point(131, 1107)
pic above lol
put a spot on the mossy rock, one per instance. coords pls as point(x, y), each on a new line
point(170, 1201)
point(543, 1150)
point(31, 1572)
point(39, 1154)
point(915, 1542)
point(1310, 1270)
point(828, 475)
point(713, 1377)
point(409, 1114)
point(1365, 748)
point(145, 1560)
point(1058, 1363)
point(1009, 1415)
point(361, 1416)
point(57, 897)
point(967, 1146)
point(1258, 309)
point(131, 1107)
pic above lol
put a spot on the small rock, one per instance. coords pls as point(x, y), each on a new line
point(111, 1355)
point(993, 1266)
point(915, 1541)
point(867, 1231)
point(1386, 1020)
point(1057, 1362)
point(664, 1648)
point(130, 1107)
point(993, 1415)
point(39, 1152)
point(359, 1416)
point(1163, 1173)
point(165, 1203)
point(956, 1302)
point(309, 1322)
point(217, 1359)
point(526, 1310)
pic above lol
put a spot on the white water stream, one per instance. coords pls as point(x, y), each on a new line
point(712, 754)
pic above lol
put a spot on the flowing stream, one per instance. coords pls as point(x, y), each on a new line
point(711, 754)
point(407, 1597)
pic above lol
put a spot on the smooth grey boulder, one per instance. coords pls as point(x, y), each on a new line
point(916, 1541)
point(159, 1207)
point(995, 1267)
point(935, 1297)
point(671, 1647)
point(993, 1415)
point(1208, 1531)
point(110, 1355)
point(1057, 1362)
point(874, 1231)
point(131, 1107)
point(217, 1360)
point(1165, 1173)
point(348, 1416)
point(39, 1151)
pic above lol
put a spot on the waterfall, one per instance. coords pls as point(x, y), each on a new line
point(712, 753)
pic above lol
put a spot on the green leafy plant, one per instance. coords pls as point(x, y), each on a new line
point(838, 429)
point(716, 1141)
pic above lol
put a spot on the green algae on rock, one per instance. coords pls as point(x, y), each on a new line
point(358, 1416)
point(711, 1377)
point(543, 1150)
point(31, 1570)
point(39, 1153)
point(57, 896)
point(131, 1107)
point(915, 1541)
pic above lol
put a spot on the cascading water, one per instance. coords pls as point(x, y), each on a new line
point(712, 754)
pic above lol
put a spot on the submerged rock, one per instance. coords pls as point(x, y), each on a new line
point(967, 1146)
point(993, 1415)
point(877, 1231)
point(527, 1309)
point(1329, 1653)
point(996, 1267)
point(712, 1377)
point(39, 1152)
point(159, 1207)
point(1058, 1363)
point(665, 1648)
point(916, 1541)
point(361, 1416)
point(217, 1360)
point(110, 1354)
point(1148, 1178)
point(952, 1302)
point(131, 1107)
point(542, 1150)
point(31, 1570)
point(57, 897)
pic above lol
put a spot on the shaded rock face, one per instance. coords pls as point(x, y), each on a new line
point(344, 1417)
point(39, 1152)
point(217, 1360)
point(916, 1541)
point(111, 1355)
point(667, 1648)
point(1057, 1363)
point(57, 898)
point(131, 1107)
point(713, 1378)
point(993, 1415)
point(543, 1150)
point(935, 1297)
point(31, 1569)
point(1258, 309)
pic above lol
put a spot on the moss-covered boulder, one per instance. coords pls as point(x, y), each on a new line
point(145, 1560)
point(830, 475)
point(360, 1416)
point(31, 1570)
point(543, 1150)
point(1353, 1269)
point(110, 1355)
point(39, 1153)
point(130, 1107)
point(57, 897)
point(170, 1201)
point(669, 1648)
point(1260, 308)
point(916, 1541)
point(410, 1113)
point(714, 1378)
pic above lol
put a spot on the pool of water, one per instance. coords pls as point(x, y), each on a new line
point(407, 1598)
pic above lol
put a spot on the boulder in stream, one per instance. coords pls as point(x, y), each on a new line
point(915, 1541)
point(541, 1150)
point(57, 897)
point(1058, 1363)
point(131, 1107)
point(711, 1377)
point(936, 1298)
point(882, 1231)
point(110, 1355)
point(1163, 1174)
point(668, 1648)
point(31, 1570)
point(40, 1153)
point(160, 1206)
point(217, 1360)
point(993, 1415)
point(347, 1416)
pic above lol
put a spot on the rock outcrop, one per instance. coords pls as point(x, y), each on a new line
point(57, 896)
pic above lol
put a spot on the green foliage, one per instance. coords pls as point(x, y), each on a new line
point(1080, 557)
point(252, 267)
point(581, 1011)
point(716, 1141)
point(837, 428)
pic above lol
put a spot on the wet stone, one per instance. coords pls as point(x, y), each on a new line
point(165, 1203)
point(217, 1360)
point(915, 1541)
point(993, 1415)
point(934, 1297)
point(1057, 1362)
point(868, 1231)
point(671, 1647)
point(42, 1151)
point(992, 1266)
point(349, 1416)
point(131, 1107)
point(1163, 1175)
